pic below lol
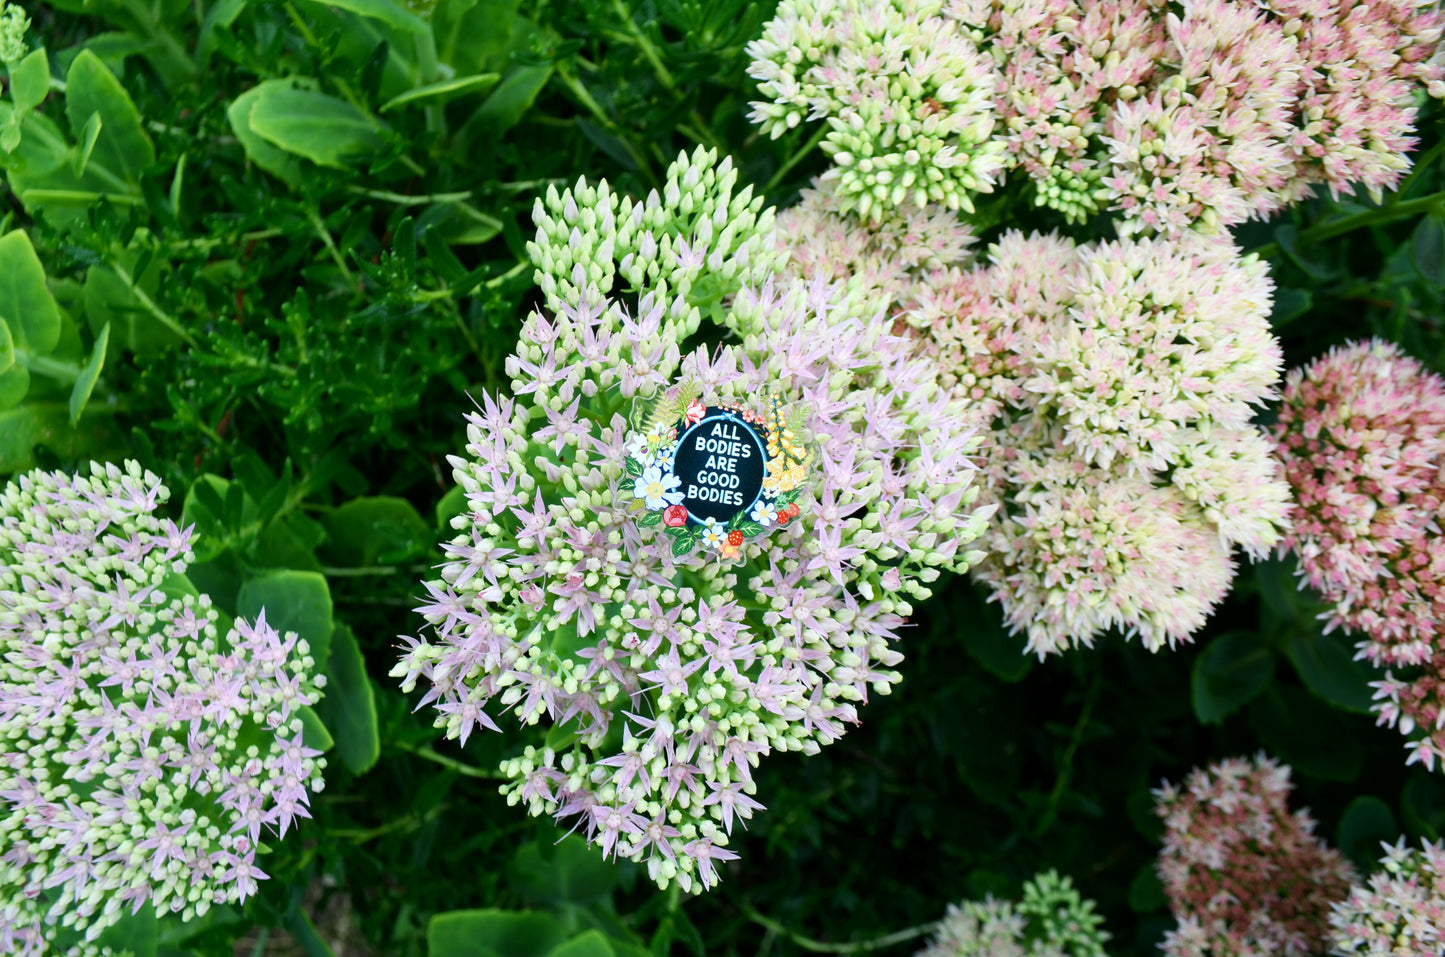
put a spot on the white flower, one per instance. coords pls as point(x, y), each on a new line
point(764, 513)
point(657, 490)
point(713, 534)
point(637, 445)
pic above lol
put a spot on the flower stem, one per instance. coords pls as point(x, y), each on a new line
point(1366, 217)
point(822, 947)
point(793, 160)
point(461, 767)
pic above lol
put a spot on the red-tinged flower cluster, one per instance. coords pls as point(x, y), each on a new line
point(1244, 875)
point(1362, 436)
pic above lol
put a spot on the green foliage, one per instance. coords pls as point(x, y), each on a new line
point(267, 248)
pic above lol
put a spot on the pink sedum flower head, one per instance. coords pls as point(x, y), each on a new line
point(1052, 920)
point(665, 677)
point(1399, 912)
point(1116, 382)
point(144, 755)
point(907, 96)
point(1244, 874)
point(1362, 436)
point(882, 262)
point(1177, 117)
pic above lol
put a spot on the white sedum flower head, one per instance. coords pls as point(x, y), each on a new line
point(144, 747)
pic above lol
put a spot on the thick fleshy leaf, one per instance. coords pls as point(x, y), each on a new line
point(26, 304)
point(569, 873)
point(392, 14)
point(122, 148)
point(374, 530)
point(349, 708)
point(1326, 665)
point(1366, 823)
point(30, 80)
point(293, 601)
point(444, 91)
point(467, 933)
point(85, 382)
point(589, 944)
point(1228, 674)
point(7, 347)
point(279, 163)
point(326, 130)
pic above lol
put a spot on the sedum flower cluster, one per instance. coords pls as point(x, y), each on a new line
point(882, 266)
point(1242, 873)
point(13, 24)
point(665, 674)
point(1361, 433)
point(906, 93)
point(1400, 912)
point(1052, 920)
point(1192, 116)
point(144, 750)
point(1116, 382)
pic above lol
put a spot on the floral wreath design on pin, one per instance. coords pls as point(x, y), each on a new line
point(716, 474)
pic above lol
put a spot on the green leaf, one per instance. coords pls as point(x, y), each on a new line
point(444, 91)
point(452, 504)
point(89, 136)
point(378, 530)
point(1366, 823)
point(48, 424)
point(85, 382)
point(277, 162)
point(391, 14)
point(1231, 671)
point(649, 519)
point(1146, 892)
point(349, 707)
point(986, 639)
point(14, 384)
point(326, 130)
point(1422, 805)
point(123, 147)
point(26, 304)
point(293, 601)
point(465, 933)
point(1327, 667)
point(1290, 304)
point(504, 108)
point(313, 730)
point(682, 542)
point(569, 873)
point(589, 944)
point(1427, 250)
point(30, 80)
point(7, 347)
point(1303, 732)
point(473, 35)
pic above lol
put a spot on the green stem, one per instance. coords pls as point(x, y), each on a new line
point(156, 311)
point(585, 98)
point(1367, 217)
point(461, 767)
point(793, 160)
point(645, 45)
point(53, 369)
point(821, 947)
point(1066, 769)
point(320, 226)
point(401, 199)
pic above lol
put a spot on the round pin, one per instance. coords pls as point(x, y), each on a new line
point(720, 463)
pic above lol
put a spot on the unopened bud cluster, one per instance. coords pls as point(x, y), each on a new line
point(665, 677)
point(1052, 920)
point(144, 747)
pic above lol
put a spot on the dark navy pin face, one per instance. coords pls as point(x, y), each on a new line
point(720, 463)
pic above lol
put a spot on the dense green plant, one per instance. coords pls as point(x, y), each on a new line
point(267, 246)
